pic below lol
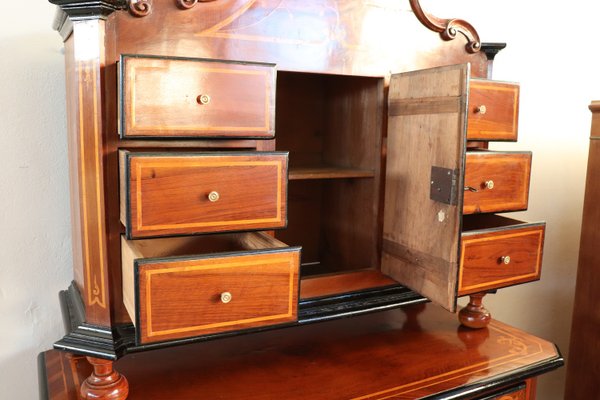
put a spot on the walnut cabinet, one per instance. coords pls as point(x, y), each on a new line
point(241, 166)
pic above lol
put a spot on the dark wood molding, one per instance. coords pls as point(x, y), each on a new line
point(448, 28)
point(492, 49)
point(87, 339)
point(89, 9)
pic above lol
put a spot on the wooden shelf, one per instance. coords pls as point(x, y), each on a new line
point(326, 172)
point(317, 286)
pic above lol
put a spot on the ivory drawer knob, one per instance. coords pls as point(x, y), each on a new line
point(505, 260)
point(489, 184)
point(225, 297)
point(482, 109)
point(214, 196)
point(203, 99)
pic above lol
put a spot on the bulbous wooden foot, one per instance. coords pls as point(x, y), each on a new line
point(105, 383)
point(475, 315)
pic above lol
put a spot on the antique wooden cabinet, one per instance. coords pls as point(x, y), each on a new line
point(241, 165)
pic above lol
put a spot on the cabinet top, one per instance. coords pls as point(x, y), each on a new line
point(410, 353)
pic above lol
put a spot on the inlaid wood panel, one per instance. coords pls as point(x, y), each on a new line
point(500, 256)
point(496, 182)
point(184, 287)
point(407, 353)
point(175, 97)
point(493, 110)
point(186, 193)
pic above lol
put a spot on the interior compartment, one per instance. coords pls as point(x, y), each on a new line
point(332, 127)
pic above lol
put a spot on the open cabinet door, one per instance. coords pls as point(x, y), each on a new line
point(424, 180)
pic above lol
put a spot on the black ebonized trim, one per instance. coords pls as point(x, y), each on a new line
point(491, 49)
point(42, 376)
point(510, 390)
point(83, 338)
point(309, 311)
point(481, 388)
point(89, 9)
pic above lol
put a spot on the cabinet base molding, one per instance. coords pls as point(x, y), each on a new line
point(87, 339)
point(105, 383)
point(475, 315)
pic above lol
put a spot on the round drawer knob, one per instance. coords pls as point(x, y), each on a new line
point(225, 297)
point(505, 260)
point(489, 184)
point(203, 99)
point(482, 109)
point(213, 196)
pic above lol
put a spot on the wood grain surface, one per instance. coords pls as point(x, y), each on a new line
point(398, 354)
point(509, 174)
point(172, 193)
point(483, 253)
point(166, 97)
point(500, 120)
point(425, 129)
point(174, 287)
point(583, 370)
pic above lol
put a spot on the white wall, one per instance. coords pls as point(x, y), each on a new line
point(551, 52)
point(35, 233)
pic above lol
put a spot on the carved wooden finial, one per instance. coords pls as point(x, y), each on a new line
point(448, 28)
point(475, 315)
point(140, 8)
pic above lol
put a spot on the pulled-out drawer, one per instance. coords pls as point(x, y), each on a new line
point(493, 110)
point(496, 181)
point(498, 251)
point(187, 193)
point(178, 288)
point(164, 97)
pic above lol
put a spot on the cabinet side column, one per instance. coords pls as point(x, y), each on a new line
point(85, 59)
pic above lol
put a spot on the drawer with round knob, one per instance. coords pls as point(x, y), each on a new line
point(165, 97)
point(497, 251)
point(164, 194)
point(493, 111)
point(496, 181)
point(176, 288)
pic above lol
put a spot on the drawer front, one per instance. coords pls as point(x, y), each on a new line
point(493, 111)
point(516, 393)
point(215, 293)
point(200, 193)
point(165, 97)
point(496, 182)
point(500, 257)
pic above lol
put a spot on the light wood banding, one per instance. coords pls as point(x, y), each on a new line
point(173, 287)
point(170, 194)
point(174, 97)
point(500, 120)
point(510, 174)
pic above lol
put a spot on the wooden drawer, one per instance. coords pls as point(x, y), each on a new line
point(496, 182)
point(174, 97)
point(518, 392)
point(183, 287)
point(493, 110)
point(188, 193)
point(497, 252)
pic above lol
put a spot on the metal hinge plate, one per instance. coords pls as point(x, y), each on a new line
point(444, 182)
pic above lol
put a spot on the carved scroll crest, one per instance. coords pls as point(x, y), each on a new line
point(448, 28)
point(187, 4)
point(140, 8)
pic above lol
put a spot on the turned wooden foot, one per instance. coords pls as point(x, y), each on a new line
point(475, 315)
point(105, 383)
